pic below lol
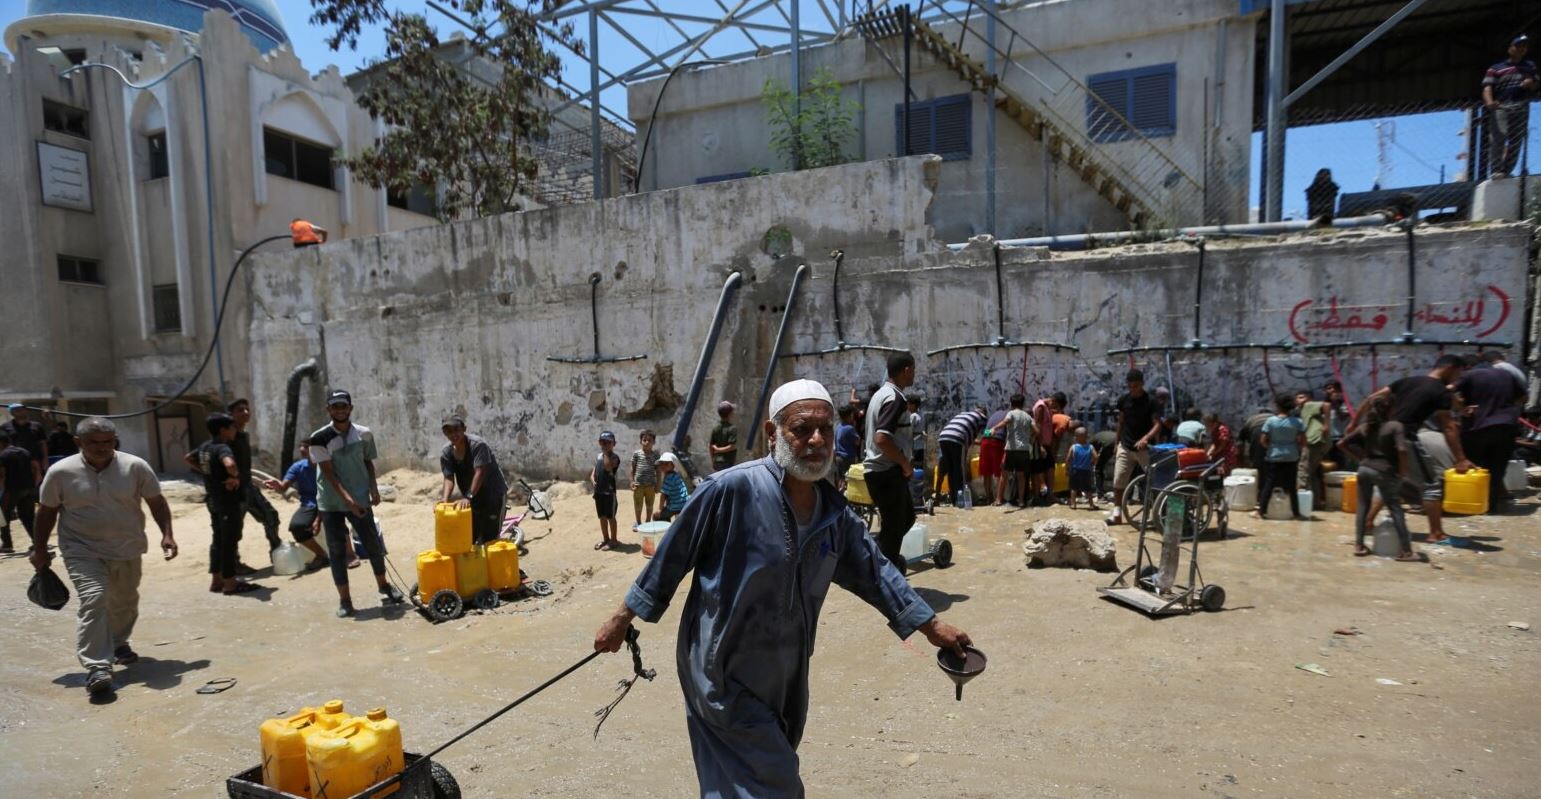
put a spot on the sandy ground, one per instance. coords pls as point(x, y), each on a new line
point(1083, 697)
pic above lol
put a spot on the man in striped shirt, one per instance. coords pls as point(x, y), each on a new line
point(1507, 90)
point(953, 443)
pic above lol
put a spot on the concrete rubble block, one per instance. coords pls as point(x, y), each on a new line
point(1070, 544)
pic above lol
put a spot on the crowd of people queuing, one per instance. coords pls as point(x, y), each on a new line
point(1465, 412)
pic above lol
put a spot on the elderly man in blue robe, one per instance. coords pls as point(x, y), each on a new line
point(764, 540)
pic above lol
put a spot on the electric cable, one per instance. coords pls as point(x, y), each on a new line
point(219, 321)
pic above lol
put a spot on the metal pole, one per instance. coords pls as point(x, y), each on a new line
point(1357, 48)
point(595, 140)
point(1198, 295)
point(1273, 137)
point(904, 18)
point(770, 369)
point(1412, 278)
point(990, 114)
point(797, 89)
point(208, 188)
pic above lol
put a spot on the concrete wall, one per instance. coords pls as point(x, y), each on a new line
point(712, 120)
point(463, 317)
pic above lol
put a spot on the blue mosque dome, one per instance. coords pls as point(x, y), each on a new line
point(259, 19)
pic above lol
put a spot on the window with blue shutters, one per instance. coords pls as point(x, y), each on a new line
point(943, 126)
point(1146, 97)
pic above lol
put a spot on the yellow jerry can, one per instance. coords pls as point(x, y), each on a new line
point(283, 746)
point(354, 755)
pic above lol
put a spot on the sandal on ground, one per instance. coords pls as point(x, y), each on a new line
point(242, 588)
point(354, 562)
point(1362, 551)
point(1410, 557)
point(318, 564)
point(218, 685)
point(125, 655)
point(1441, 542)
point(602, 545)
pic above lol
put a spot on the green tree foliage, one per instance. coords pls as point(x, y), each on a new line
point(464, 137)
point(816, 135)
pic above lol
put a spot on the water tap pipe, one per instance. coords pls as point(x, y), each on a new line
point(594, 320)
point(841, 345)
point(729, 288)
point(292, 411)
point(770, 368)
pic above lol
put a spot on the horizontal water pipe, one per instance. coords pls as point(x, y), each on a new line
point(1081, 241)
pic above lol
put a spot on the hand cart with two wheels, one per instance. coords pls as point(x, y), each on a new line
point(1151, 585)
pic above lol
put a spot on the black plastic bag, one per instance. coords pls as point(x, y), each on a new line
point(47, 590)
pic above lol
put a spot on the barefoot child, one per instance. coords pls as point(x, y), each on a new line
point(606, 464)
point(1379, 444)
point(1083, 459)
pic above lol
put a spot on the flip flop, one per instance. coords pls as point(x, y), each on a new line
point(1443, 542)
point(1362, 552)
point(217, 685)
point(602, 545)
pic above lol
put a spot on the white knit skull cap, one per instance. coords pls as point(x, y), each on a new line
point(797, 391)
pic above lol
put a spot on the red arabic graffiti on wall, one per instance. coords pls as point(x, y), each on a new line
point(1482, 317)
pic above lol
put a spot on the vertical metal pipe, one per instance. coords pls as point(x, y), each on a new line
point(775, 356)
point(729, 287)
point(1412, 278)
point(596, 141)
point(990, 113)
point(594, 310)
point(208, 190)
point(904, 18)
point(1273, 137)
point(797, 75)
point(1000, 297)
point(1198, 295)
point(835, 286)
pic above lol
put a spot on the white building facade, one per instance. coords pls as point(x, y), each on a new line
point(116, 248)
point(1067, 73)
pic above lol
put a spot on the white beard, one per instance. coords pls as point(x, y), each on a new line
point(793, 465)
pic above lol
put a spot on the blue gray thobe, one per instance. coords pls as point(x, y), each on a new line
point(747, 630)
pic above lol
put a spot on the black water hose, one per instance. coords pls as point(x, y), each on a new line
point(729, 288)
point(1198, 293)
point(292, 411)
point(770, 368)
point(219, 321)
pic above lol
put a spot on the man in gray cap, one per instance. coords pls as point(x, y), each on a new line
point(468, 462)
point(765, 539)
point(1507, 89)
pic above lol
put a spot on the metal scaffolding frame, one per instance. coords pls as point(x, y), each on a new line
point(745, 29)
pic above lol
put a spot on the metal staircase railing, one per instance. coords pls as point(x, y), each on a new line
point(1131, 171)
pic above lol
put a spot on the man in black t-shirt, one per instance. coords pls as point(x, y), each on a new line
point(61, 442)
point(226, 502)
point(27, 434)
point(1494, 400)
point(468, 462)
point(1139, 423)
point(19, 477)
point(1427, 400)
point(889, 445)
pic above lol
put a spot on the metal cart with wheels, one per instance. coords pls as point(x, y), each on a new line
point(1153, 586)
point(419, 780)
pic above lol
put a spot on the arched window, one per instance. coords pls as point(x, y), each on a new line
point(298, 141)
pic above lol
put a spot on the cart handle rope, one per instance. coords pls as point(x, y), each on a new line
point(636, 664)
point(624, 686)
